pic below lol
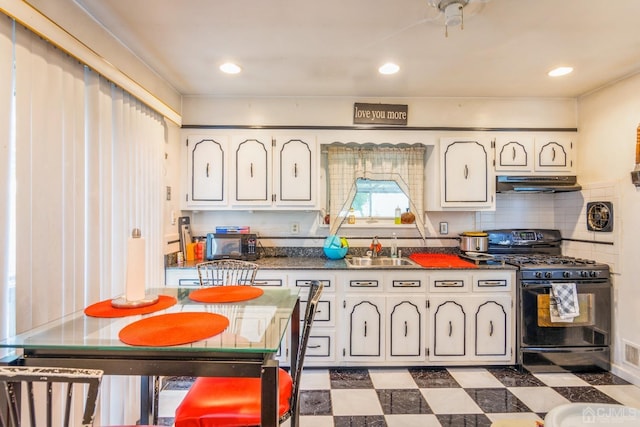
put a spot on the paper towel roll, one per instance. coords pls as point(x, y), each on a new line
point(136, 267)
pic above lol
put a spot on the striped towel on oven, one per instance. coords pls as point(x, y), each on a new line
point(566, 300)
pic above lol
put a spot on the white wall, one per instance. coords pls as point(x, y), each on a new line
point(608, 120)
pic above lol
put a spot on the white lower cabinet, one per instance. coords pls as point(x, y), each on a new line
point(363, 328)
point(471, 328)
point(406, 324)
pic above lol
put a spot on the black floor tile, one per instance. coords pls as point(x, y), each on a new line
point(433, 378)
point(403, 402)
point(601, 378)
point(496, 400)
point(350, 378)
point(315, 402)
point(466, 420)
point(513, 377)
point(584, 394)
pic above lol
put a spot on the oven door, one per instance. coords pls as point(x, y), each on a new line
point(540, 328)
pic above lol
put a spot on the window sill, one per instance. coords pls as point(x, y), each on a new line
point(376, 224)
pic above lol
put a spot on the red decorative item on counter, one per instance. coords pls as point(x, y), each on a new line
point(441, 261)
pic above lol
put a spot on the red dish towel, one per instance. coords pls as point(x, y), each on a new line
point(173, 329)
point(441, 261)
point(225, 294)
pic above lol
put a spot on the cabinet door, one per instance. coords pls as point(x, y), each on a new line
point(465, 177)
point(514, 153)
point(405, 328)
point(206, 171)
point(448, 321)
point(365, 328)
point(492, 317)
point(296, 172)
point(252, 175)
point(554, 154)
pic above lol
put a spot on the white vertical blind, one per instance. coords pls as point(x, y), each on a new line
point(6, 90)
point(88, 170)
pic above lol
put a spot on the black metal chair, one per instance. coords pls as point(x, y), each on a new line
point(232, 401)
point(41, 398)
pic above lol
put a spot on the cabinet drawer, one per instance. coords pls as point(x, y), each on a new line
point(493, 281)
point(270, 279)
point(364, 283)
point(189, 282)
point(319, 345)
point(305, 283)
point(325, 313)
point(450, 282)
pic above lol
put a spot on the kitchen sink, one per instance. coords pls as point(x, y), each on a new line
point(380, 262)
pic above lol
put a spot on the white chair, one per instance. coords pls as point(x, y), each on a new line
point(40, 398)
point(225, 272)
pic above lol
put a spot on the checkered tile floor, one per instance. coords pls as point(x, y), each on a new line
point(435, 396)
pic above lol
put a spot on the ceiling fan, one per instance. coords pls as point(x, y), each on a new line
point(453, 11)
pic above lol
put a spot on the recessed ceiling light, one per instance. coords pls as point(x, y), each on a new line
point(389, 68)
point(560, 71)
point(230, 68)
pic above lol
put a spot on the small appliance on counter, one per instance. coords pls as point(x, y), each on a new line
point(232, 246)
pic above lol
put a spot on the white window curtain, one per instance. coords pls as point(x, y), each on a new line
point(403, 164)
point(88, 169)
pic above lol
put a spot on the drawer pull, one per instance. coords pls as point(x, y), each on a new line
point(450, 283)
point(314, 346)
point(363, 284)
point(406, 284)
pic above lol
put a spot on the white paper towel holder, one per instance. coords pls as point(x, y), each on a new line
point(123, 302)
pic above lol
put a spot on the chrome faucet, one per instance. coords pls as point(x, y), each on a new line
point(375, 247)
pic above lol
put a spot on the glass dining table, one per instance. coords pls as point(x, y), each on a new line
point(247, 347)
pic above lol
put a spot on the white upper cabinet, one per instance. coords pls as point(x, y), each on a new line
point(554, 154)
point(514, 154)
point(206, 183)
point(534, 154)
point(275, 171)
point(252, 172)
point(466, 178)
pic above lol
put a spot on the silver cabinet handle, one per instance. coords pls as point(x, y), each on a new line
point(513, 149)
point(365, 328)
point(490, 328)
point(251, 169)
point(466, 171)
point(406, 328)
point(450, 328)
point(295, 170)
point(553, 157)
point(207, 171)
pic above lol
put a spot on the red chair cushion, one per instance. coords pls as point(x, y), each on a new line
point(228, 401)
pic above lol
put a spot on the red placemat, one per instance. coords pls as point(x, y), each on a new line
point(441, 261)
point(173, 329)
point(105, 309)
point(226, 294)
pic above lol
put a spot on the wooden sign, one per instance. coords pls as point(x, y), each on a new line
point(380, 114)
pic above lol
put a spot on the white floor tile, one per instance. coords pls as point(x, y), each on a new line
point(450, 401)
point(392, 379)
point(520, 417)
point(355, 402)
point(628, 395)
point(561, 379)
point(474, 378)
point(315, 379)
point(315, 421)
point(539, 399)
point(169, 401)
point(412, 420)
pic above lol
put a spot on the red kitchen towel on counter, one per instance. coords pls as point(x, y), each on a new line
point(173, 329)
point(225, 294)
point(105, 309)
point(441, 261)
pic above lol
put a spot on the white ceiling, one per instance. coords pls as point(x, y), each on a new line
point(334, 47)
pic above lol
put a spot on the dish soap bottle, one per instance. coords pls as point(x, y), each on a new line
point(351, 219)
point(394, 246)
point(397, 218)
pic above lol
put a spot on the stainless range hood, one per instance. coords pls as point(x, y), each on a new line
point(536, 184)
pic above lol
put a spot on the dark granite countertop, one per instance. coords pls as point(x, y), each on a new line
point(322, 263)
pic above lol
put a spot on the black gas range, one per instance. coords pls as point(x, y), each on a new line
point(546, 343)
